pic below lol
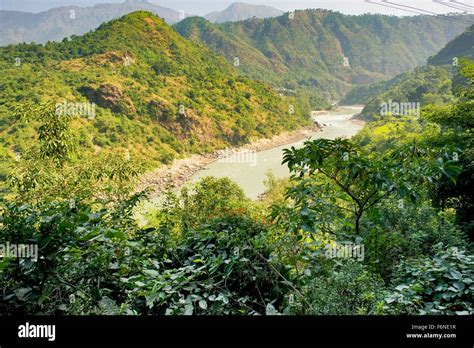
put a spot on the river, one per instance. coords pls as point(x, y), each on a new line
point(249, 170)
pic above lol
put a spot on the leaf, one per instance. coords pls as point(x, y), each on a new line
point(401, 287)
point(114, 234)
point(203, 304)
point(92, 234)
point(151, 272)
point(270, 310)
point(188, 309)
point(455, 274)
point(21, 293)
point(459, 285)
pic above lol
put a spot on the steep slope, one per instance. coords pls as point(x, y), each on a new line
point(157, 94)
point(462, 46)
point(61, 22)
point(307, 49)
point(418, 88)
point(431, 84)
point(231, 46)
point(239, 11)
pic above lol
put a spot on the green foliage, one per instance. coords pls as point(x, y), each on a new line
point(434, 285)
point(400, 229)
point(334, 178)
point(348, 289)
point(400, 189)
point(459, 47)
point(80, 256)
point(307, 52)
point(156, 94)
point(425, 85)
point(51, 171)
point(220, 268)
point(208, 199)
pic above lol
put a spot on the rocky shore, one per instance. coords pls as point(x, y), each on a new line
point(181, 170)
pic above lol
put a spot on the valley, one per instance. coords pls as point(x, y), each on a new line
point(162, 164)
point(248, 167)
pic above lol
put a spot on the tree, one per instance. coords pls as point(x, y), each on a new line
point(335, 178)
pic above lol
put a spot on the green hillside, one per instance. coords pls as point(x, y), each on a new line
point(431, 84)
point(424, 85)
point(157, 94)
point(306, 49)
point(462, 46)
point(59, 22)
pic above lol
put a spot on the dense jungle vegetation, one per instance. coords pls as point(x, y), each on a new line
point(157, 95)
point(402, 188)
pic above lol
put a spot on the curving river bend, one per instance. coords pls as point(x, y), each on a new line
point(248, 169)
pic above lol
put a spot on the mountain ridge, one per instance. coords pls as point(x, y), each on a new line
point(324, 52)
point(240, 11)
point(60, 22)
point(433, 83)
point(156, 93)
point(461, 46)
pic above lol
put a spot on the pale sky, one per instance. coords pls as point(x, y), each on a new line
point(202, 7)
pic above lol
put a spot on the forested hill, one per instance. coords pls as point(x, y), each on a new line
point(424, 85)
point(431, 84)
point(156, 93)
point(462, 46)
point(60, 22)
point(307, 48)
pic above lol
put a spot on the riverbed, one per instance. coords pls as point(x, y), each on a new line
point(248, 168)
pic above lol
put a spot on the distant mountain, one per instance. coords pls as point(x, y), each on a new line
point(156, 93)
point(461, 46)
point(58, 23)
point(324, 52)
point(239, 11)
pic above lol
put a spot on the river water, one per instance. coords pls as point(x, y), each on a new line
point(249, 170)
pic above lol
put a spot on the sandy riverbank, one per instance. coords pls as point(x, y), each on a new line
point(181, 170)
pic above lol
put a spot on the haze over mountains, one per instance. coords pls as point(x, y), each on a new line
point(57, 23)
point(462, 46)
point(61, 22)
point(430, 84)
point(240, 11)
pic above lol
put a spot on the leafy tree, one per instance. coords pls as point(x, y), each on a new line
point(336, 175)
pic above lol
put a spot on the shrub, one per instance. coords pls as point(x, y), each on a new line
point(348, 289)
point(219, 268)
point(442, 284)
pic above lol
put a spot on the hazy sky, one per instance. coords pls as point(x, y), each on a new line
point(205, 6)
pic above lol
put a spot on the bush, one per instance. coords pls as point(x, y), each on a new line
point(81, 255)
point(442, 284)
point(349, 289)
point(219, 268)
